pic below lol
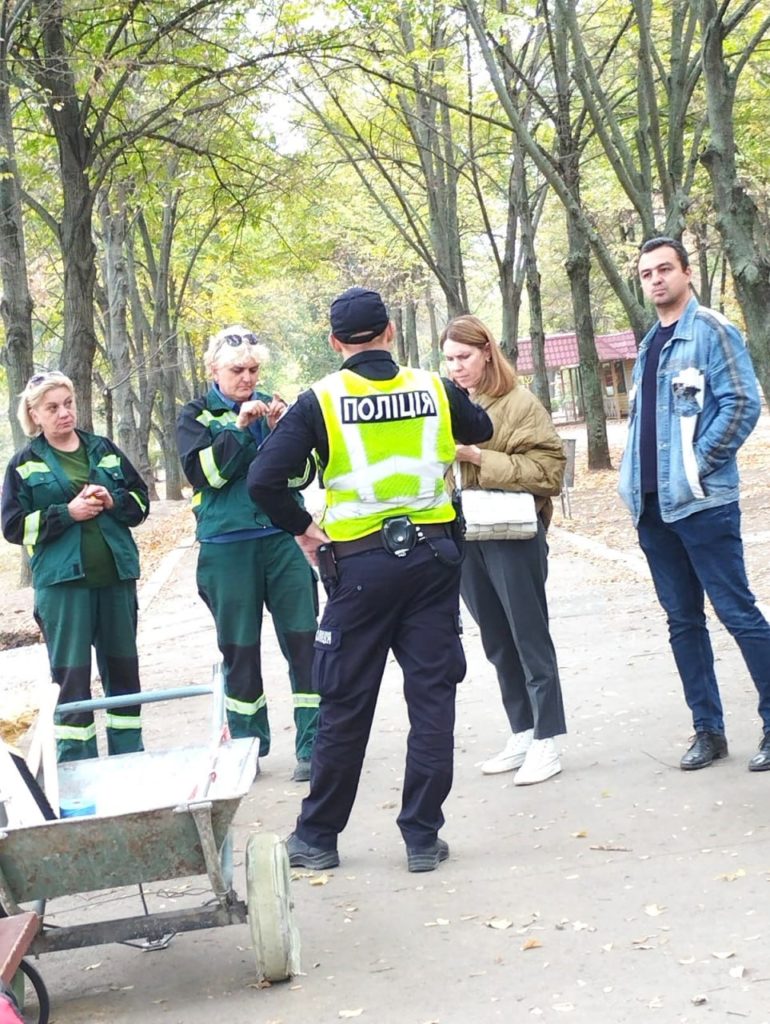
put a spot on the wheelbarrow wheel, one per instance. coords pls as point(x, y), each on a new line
point(43, 1005)
point(274, 935)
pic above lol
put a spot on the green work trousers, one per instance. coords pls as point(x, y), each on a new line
point(237, 581)
point(73, 619)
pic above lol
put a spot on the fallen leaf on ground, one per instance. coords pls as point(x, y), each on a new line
point(319, 880)
point(580, 835)
point(723, 956)
point(653, 910)
point(92, 967)
point(737, 972)
point(698, 1000)
point(351, 1013)
point(498, 922)
point(532, 944)
point(730, 876)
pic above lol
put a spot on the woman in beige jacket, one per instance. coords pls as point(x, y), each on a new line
point(503, 581)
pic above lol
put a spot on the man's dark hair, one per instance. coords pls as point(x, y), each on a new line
point(674, 243)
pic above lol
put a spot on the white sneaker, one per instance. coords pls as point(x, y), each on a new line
point(542, 761)
point(512, 756)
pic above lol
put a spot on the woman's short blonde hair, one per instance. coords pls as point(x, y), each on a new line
point(38, 385)
point(233, 345)
point(499, 376)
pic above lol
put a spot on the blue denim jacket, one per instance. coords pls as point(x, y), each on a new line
point(707, 405)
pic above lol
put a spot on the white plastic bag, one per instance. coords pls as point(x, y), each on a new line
point(497, 515)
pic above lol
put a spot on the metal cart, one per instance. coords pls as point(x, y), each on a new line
point(155, 816)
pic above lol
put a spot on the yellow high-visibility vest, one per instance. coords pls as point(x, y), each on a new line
point(390, 442)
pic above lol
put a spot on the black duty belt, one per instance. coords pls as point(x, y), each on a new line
point(372, 541)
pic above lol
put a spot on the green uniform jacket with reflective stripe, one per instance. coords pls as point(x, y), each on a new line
point(36, 492)
point(216, 456)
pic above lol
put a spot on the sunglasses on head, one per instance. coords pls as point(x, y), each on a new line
point(38, 378)
point(234, 340)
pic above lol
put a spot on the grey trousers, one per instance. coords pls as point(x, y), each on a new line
point(503, 586)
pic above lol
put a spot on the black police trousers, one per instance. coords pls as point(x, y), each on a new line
point(379, 603)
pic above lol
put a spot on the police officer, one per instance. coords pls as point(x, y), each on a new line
point(390, 561)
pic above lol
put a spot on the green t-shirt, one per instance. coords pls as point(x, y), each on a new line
point(98, 563)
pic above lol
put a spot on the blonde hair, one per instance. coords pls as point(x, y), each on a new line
point(38, 385)
point(233, 345)
point(499, 377)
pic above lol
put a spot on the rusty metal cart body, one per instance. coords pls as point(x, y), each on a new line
point(155, 816)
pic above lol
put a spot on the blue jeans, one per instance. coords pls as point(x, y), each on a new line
point(704, 552)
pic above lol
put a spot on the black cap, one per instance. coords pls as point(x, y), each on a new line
point(358, 316)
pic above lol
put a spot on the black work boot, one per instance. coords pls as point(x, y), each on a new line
point(708, 747)
point(303, 855)
point(426, 858)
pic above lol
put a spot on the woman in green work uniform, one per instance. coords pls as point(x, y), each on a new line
point(69, 497)
point(245, 564)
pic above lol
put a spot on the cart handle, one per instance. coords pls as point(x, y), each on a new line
point(131, 699)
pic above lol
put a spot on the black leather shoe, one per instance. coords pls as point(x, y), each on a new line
point(303, 855)
point(708, 747)
point(426, 858)
point(760, 762)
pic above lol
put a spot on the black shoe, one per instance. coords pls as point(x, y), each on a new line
point(426, 858)
point(301, 772)
point(760, 762)
point(708, 747)
point(303, 855)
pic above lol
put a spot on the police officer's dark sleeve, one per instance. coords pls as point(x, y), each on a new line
point(297, 434)
point(470, 423)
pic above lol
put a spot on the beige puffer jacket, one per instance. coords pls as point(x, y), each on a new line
point(524, 454)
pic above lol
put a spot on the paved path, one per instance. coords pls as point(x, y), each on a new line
point(623, 890)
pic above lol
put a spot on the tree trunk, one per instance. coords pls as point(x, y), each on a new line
point(742, 228)
point(412, 348)
point(77, 248)
point(16, 303)
point(147, 374)
point(115, 274)
point(435, 351)
point(398, 323)
point(169, 347)
point(427, 116)
point(579, 256)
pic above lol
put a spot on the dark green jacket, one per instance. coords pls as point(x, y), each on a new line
point(36, 492)
point(216, 456)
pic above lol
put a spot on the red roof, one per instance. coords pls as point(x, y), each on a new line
point(561, 350)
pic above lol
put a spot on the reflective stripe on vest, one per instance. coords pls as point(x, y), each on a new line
point(367, 421)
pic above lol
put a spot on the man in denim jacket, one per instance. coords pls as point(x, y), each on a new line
point(693, 403)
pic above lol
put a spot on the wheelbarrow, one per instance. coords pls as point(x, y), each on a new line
point(151, 817)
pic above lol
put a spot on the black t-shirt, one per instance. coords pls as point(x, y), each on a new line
point(648, 428)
